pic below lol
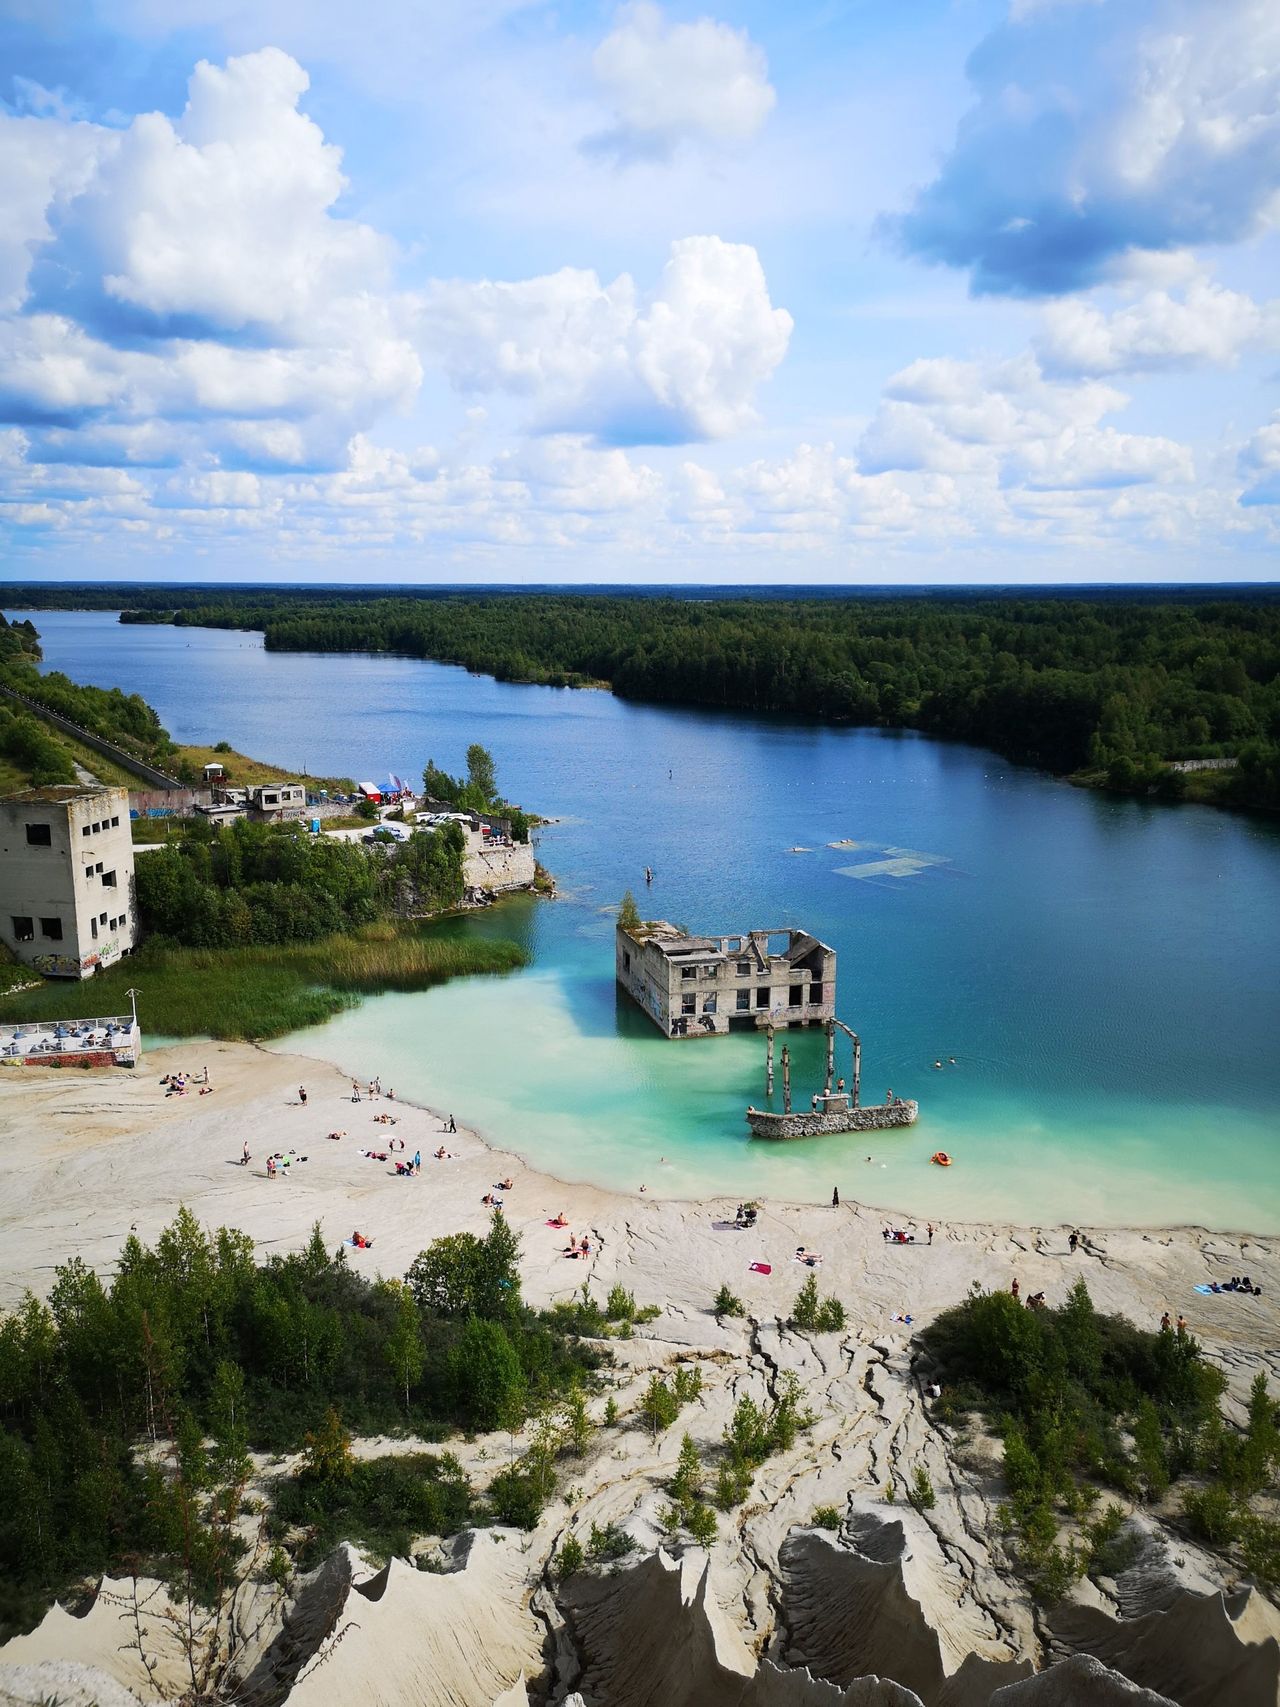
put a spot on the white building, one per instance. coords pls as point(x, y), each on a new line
point(66, 879)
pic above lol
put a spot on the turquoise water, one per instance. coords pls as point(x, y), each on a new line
point(1103, 970)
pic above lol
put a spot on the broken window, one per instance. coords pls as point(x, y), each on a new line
point(688, 1004)
point(796, 995)
point(52, 928)
point(744, 969)
point(23, 928)
point(709, 1004)
point(39, 836)
point(762, 996)
point(688, 971)
point(744, 999)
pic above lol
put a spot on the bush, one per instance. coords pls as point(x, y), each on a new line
point(814, 1314)
point(516, 1497)
point(700, 1521)
point(570, 1559)
point(827, 1517)
point(1212, 1515)
point(608, 1544)
point(921, 1492)
point(727, 1303)
point(659, 1407)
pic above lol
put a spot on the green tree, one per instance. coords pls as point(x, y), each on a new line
point(403, 1348)
point(481, 775)
point(659, 1406)
point(486, 1375)
point(327, 1455)
point(629, 913)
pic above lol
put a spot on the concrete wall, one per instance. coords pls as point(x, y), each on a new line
point(62, 881)
point(496, 870)
point(875, 1118)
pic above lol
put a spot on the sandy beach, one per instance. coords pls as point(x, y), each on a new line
point(86, 1158)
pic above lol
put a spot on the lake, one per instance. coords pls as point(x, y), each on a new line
point(1104, 970)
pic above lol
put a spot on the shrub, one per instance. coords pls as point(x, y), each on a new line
point(688, 1384)
point(686, 1484)
point(608, 1544)
point(659, 1407)
point(727, 1303)
point(570, 1558)
point(516, 1497)
point(700, 1521)
point(921, 1492)
point(1212, 1515)
point(827, 1517)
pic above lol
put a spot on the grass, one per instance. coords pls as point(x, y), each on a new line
point(254, 993)
point(241, 772)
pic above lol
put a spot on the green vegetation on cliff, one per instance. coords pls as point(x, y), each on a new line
point(199, 1351)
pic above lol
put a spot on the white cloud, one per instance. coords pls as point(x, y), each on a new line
point(1008, 422)
point(1260, 466)
point(1204, 325)
point(1097, 130)
point(194, 270)
point(682, 363)
point(669, 82)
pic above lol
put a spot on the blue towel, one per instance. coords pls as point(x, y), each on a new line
point(1202, 1289)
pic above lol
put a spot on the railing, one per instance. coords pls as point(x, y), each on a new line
point(117, 1034)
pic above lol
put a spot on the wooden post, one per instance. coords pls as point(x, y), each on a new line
point(768, 1064)
point(857, 1069)
point(786, 1080)
point(831, 1054)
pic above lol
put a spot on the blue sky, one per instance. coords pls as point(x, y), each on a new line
point(953, 290)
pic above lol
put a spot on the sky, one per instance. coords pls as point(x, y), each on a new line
point(830, 292)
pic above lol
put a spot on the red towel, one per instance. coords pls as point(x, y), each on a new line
point(761, 1267)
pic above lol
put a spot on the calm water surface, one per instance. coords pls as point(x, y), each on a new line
point(1105, 971)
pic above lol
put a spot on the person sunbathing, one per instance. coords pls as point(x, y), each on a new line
point(506, 1185)
point(561, 1220)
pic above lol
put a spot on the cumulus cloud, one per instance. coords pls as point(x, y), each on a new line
point(670, 82)
point(681, 363)
point(194, 269)
point(1260, 466)
point(1009, 422)
point(1103, 128)
point(1203, 325)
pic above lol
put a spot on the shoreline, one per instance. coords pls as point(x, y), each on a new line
point(89, 1159)
point(499, 1147)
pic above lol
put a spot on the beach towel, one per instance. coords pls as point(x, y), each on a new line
point(906, 1320)
point(1202, 1289)
point(760, 1267)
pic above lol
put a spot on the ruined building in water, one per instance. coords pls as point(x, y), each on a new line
point(703, 986)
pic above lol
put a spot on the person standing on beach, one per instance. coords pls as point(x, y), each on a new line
point(1073, 1241)
point(835, 1197)
point(1182, 1327)
point(453, 1125)
point(930, 1228)
point(1165, 1323)
point(302, 1095)
point(1015, 1289)
point(355, 1091)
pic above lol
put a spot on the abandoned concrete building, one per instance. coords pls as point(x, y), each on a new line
point(703, 986)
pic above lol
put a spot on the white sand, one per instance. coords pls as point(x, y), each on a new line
point(85, 1157)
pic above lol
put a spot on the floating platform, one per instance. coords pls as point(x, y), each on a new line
point(810, 1123)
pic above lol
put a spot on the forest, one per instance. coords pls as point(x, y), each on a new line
point(129, 1408)
point(1108, 687)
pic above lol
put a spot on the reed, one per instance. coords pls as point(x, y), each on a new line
point(256, 993)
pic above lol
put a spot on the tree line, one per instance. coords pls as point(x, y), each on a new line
point(1110, 685)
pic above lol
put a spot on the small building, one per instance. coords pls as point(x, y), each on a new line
point(270, 802)
point(66, 878)
point(214, 775)
point(369, 791)
point(703, 986)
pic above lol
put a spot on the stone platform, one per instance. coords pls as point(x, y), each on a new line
point(808, 1124)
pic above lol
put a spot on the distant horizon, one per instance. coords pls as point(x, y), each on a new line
point(653, 589)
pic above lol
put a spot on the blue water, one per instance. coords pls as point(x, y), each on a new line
point(1105, 971)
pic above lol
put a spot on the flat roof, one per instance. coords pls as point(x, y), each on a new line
point(60, 794)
